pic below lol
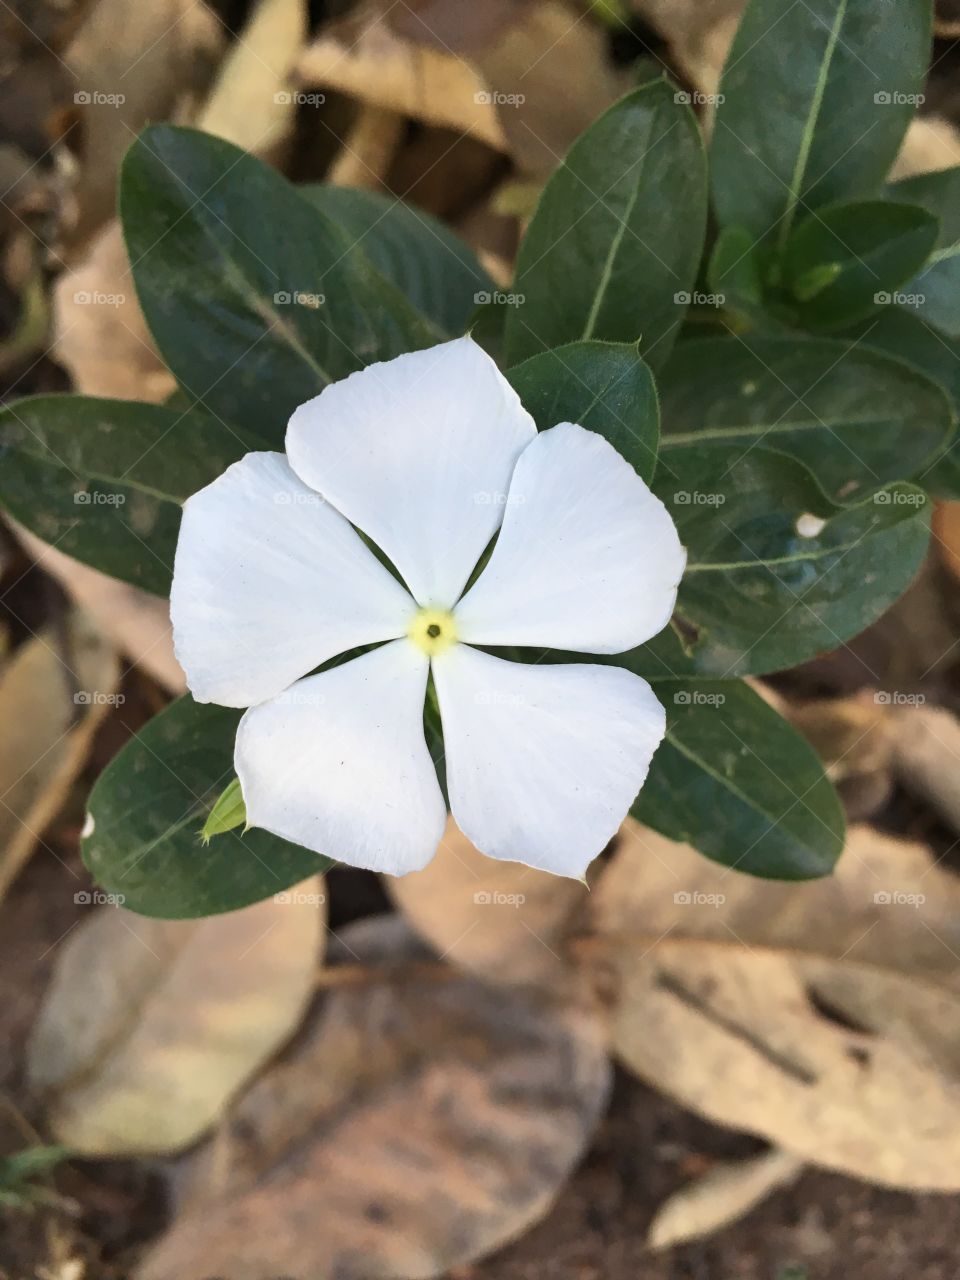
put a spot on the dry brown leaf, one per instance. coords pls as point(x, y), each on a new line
point(251, 103)
point(500, 920)
point(854, 738)
point(100, 336)
point(946, 528)
point(420, 1120)
point(699, 33)
point(887, 903)
point(843, 1064)
point(151, 1026)
point(722, 1196)
point(137, 622)
point(927, 757)
point(133, 63)
point(931, 143)
point(363, 57)
point(51, 702)
point(501, 84)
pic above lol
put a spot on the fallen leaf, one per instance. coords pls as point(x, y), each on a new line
point(137, 622)
point(100, 335)
point(926, 756)
point(854, 739)
point(420, 1120)
point(886, 903)
point(132, 63)
point(251, 104)
point(52, 698)
point(699, 33)
point(151, 1026)
point(846, 1065)
point(501, 83)
point(500, 920)
point(931, 143)
point(720, 1197)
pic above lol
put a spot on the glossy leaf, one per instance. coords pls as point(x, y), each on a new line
point(908, 337)
point(857, 419)
point(816, 97)
point(776, 572)
point(103, 479)
point(255, 299)
point(603, 386)
point(840, 264)
point(737, 782)
point(613, 248)
point(430, 265)
point(147, 810)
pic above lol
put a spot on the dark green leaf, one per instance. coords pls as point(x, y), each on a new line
point(603, 386)
point(857, 419)
point(736, 271)
point(147, 811)
point(776, 572)
point(255, 299)
point(816, 97)
point(733, 779)
point(909, 338)
point(430, 266)
point(842, 263)
point(613, 248)
point(103, 479)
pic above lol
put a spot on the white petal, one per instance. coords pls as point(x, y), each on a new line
point(417, 452)
point(339, 763)
point(587, 559)
point(270, 582)
point(543, 762)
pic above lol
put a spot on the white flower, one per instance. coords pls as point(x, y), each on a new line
point(428, 455)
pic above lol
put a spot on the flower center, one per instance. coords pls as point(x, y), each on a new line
point(433, 631)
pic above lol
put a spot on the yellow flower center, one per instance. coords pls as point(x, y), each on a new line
point(433, 631)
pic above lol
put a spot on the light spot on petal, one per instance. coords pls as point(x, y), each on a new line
point(433, 631)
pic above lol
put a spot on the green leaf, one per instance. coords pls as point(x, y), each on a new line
point(815, 99)
point(103, 480)
point(776, 573)
point(737, 782)
point(906, 336)
point(147, 810)
point(603, 386)
point(736, 271)
point(613, 248)
point(430, 265)
point(229, 812)
point(842, 263)
point(255, 299)
point(934, 293)
point(856, 419)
